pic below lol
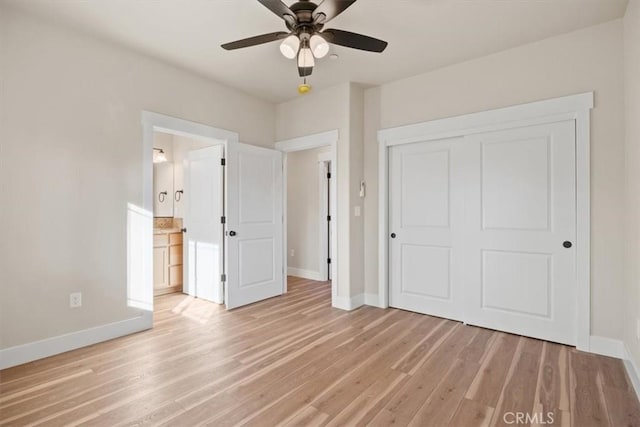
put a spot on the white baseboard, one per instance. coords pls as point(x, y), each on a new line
point(348, 303)
point(606, 347)
point(372, 300)
point(29, 352)
point(305, 274)
point(632, 371)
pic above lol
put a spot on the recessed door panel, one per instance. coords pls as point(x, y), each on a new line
point(426, 271)
point(425, 174)
point(255, 189)
point(261, 270)
point(517, 282)
point(515, 184)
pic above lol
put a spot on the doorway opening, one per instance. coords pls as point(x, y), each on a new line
point(232, 230)
point(308, 214)
point(159, 260)
point(310, 217)
point(188, 186)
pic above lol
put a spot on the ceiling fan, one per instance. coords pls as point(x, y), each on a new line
point(307, 39)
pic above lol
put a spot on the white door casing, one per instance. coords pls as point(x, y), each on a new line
point(520, 210)
point(426, 205)
point(203, 241)
point(254, 229)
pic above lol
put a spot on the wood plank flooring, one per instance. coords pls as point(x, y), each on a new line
point(296, 361)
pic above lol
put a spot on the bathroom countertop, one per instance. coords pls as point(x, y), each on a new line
point(166, 230)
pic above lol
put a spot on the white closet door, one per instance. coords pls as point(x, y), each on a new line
point(520, 215)
point(254, 224)
point(426, 208)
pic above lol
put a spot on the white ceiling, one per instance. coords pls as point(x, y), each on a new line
point(423, 35)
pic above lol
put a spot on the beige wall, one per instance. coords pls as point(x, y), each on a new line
point(632, 168)
point(71, 161)
point(585, 60)
point(304, 211)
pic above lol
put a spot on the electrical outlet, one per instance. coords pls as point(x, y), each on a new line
point(293, 252)
point(75, 299)
point(356, 211)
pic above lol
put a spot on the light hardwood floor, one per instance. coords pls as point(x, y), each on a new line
point(295, 361)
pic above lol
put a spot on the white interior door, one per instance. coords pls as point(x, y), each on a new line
point(254, 232)
point(520, 214)
point(203, 243)
point(426, 204)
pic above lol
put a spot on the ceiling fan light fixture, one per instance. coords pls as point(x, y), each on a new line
point(290, 46)
point(319, 46)
point(305, 58)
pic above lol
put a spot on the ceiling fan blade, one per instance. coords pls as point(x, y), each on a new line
point(253, 41)
point(330, 9)
point(277, 7)
point(354, 40)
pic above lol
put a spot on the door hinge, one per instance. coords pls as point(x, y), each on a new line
point(328, 260)
point(328, 217)
point(223, 277)
point(223, 220)
point(223, 162)
point(328, 175)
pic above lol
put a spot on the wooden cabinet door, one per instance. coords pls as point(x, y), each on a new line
point(160, 267)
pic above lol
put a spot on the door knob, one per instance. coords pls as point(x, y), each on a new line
point(567, 244)
point(184, 230)
point(232, 233)
point(393, 235)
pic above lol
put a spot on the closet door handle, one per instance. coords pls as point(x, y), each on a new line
point(567, 244)
point(232, 233)
point(393, 235)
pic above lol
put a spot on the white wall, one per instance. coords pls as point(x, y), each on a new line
point(585, 60)
point(632, 160)
point(304, 216)
point(71, 161)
